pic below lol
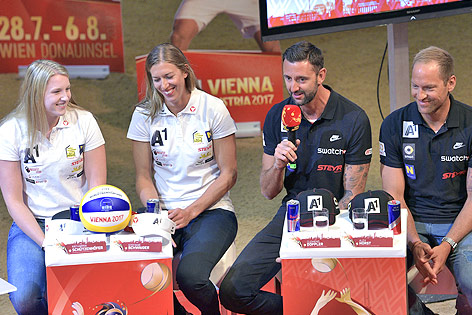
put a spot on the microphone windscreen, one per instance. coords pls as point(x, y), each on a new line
point(291, 116)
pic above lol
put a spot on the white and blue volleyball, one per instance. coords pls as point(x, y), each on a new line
point(105, 209)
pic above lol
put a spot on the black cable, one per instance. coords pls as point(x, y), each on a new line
point(378, 80)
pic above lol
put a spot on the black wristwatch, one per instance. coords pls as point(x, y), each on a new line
point(450, 241)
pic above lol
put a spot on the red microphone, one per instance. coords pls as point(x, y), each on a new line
point(291, 119)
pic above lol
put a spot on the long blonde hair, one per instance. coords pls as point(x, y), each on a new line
point(166, 52)
point(30, 105)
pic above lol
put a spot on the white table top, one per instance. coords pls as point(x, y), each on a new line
point(289, 248)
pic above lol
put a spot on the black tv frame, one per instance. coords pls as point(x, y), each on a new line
point(359, 21)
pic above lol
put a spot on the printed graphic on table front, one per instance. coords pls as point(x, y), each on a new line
point(344, 286)
point(129, 287)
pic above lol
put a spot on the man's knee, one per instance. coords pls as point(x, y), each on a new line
point(231, 296)
point(183, 32)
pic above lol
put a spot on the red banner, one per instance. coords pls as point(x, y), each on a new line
point(248, 83)
point(67, 31)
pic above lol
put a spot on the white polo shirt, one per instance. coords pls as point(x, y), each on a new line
point(182, 148)
point(53, 172)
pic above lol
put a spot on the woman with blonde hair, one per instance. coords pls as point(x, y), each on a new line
point(51, 153)
point(185, 138)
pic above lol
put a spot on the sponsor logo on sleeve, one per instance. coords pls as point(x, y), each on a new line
point(382, 149)
point(410, 130)
point(409, 151)
point(410, 171)
point(208, 135)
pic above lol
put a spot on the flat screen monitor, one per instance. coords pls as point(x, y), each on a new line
point(282, 19)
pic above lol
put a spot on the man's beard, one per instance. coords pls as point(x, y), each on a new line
point(307, 99)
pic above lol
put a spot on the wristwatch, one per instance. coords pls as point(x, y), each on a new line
point(450, 241)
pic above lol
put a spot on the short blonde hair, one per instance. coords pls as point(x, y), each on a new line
point(441, 57)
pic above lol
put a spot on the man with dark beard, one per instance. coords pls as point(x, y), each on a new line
point(332, 151)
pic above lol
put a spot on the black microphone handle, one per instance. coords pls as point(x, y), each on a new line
point(292, 136)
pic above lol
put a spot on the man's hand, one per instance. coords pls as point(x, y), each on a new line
point(285, 153)
point(422, 254)
point(439, 257)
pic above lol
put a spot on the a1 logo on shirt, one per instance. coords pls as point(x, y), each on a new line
point(372, 205)
point(314, 202)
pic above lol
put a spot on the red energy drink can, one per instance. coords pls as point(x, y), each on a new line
point(394, 217)
point(293, 215)
point(74, 213)
point(152, 206)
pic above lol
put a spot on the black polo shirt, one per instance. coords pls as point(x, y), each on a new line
point(434, 164)
point(342, 135)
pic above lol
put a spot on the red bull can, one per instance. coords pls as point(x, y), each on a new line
point(394, 217)
point(74, 213)
point(293, 215)
point(152, 206)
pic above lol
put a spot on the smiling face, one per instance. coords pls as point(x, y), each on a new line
point(56, 98)
point(170, 82)
point(429, 89)
point(301, 81)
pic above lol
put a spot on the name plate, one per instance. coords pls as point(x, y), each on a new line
point(135, 243)
point(318, 240)
point(81, 244)
point(380, 238)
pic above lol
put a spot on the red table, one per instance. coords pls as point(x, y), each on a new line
point(373, 277)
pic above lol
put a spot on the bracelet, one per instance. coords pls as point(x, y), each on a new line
point(414, 245)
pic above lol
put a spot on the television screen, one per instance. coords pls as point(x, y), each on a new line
point(294, 18)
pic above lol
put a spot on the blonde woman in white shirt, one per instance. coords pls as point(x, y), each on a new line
point(51, 153)
point(185, 154)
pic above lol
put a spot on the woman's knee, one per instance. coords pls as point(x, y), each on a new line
point(189, 278)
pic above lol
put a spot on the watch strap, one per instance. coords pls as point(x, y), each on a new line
point(450, 241)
